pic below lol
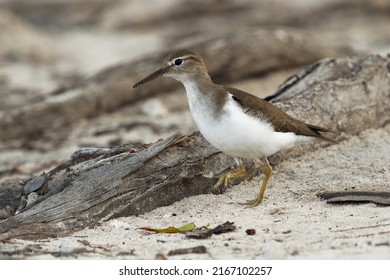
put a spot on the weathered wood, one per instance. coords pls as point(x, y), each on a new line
point(348, 95)
point(381, 198)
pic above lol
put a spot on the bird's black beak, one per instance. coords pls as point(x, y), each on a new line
point(160, 72)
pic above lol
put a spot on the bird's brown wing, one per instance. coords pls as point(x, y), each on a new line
point(280, 121)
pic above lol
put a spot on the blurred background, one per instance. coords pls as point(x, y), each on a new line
point(68, 66)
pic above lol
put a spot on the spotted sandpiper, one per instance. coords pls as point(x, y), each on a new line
point(235, 122)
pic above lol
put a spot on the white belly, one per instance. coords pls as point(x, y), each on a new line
point(238, 134)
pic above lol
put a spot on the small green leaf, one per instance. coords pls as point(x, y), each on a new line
point(181, 229)
point(187, 227)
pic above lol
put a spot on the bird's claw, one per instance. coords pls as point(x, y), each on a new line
point(222, 184)
point(251, 203)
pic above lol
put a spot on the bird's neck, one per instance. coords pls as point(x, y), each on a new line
point(204, 95)
point(201, 81)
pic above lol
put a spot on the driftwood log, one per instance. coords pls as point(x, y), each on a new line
point(347, 95)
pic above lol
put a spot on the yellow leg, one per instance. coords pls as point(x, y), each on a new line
point(224, 180)
point(260, 196)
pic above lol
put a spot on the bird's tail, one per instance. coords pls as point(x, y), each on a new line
point(319, 129)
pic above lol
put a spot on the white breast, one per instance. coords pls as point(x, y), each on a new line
point(234, 132)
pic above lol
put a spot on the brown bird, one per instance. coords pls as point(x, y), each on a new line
point(235, 122)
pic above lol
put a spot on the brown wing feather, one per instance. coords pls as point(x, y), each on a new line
point(280, 121)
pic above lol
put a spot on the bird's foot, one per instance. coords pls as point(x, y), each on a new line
point(252, 203)
point(260, 196)
point(224, 181)
point(222, 184)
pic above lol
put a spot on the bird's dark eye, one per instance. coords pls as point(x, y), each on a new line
point(178, 61)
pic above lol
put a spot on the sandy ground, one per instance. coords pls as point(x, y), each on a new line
point(292, 222)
